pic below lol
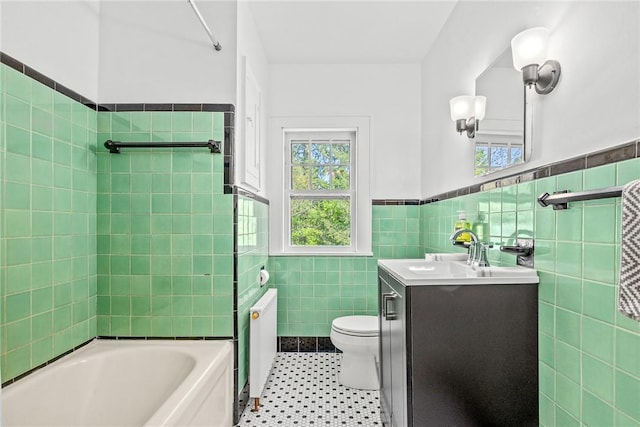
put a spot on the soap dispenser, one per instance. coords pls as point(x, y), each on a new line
point(460, 224)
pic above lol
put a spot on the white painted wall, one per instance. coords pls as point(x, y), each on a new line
point(57, 38)
point(250, 50)
point(157, 51)
point(596, 104)
point(389, 94)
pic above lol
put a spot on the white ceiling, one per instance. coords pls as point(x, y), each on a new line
point(348, 32)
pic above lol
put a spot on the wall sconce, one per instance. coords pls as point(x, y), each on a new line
point(529, 50)
point(467, 111)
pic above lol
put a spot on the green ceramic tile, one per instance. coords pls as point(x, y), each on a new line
point(545, 258)
point(599, 223)
point(628, 352)
point(508, 225)
point(627, 389)
point(121, 122)
point(160, 121)
point(61, 318)
point(598, 262)
point(628, 171)
point(597, 377)
point(181, 183)
point(600, 177)
point(572, 181)
point(599, 301)
point(42, 146)
point(17, 362)
point(569, 259)
point(568, 395)
point(569, 224)
point(18, 141)
point(545, 224)
point(622, 419)
point(547, 380)
point(17, 112)
point(568, 327)
point(41, 96)
point(598, 339)
point(19, 225)
point(202, 122)
point(595, 412)
point(17, 196)
point(564, 419)
point(569, 293)
point(42, 121)
point(546, 411)
point(568, 361)
point(525, 222)
point(18, 306)
point(41, 351)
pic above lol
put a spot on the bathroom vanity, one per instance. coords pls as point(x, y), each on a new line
point(458, 344)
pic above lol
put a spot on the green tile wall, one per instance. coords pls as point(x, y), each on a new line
point(165, 229)
point(589, 353)
point(253, 253)
point(314, 290)
point(48, 223)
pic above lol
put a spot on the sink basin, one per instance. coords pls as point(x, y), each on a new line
point(446, 257)
point(425, 272)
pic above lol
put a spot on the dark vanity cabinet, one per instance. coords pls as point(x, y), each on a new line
point(464, 355)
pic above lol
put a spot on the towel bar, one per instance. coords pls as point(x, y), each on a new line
point(560, 199)
point(115, 146)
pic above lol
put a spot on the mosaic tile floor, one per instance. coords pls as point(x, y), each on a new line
point(303, 390)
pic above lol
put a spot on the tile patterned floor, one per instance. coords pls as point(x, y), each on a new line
point(303, 390)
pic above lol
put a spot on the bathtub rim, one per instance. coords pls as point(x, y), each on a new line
point(169, 409)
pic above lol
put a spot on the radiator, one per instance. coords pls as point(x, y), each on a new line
point(262, 343)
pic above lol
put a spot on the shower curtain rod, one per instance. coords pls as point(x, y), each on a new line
point(216, 44)
point(115, 146)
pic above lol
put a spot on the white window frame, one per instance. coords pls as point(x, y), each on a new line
point(279, 176)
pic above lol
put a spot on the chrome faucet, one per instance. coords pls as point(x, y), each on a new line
point(477, 250)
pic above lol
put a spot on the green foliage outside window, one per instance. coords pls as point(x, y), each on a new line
point(320, 217)
point(320, 222)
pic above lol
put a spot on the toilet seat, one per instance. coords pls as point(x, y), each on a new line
point(358, 326)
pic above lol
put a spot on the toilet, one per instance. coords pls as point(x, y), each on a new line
point(357, 337)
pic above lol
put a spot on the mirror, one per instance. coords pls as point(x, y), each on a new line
point(500, 138)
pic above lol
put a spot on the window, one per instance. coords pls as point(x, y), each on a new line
point(324, 197)
point(320, 188)
point(496, 155)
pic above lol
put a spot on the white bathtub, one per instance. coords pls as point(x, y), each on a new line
point(128, 383)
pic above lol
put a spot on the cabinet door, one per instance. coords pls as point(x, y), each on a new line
point(397, 338)
point(393, 383)
point(385, 354)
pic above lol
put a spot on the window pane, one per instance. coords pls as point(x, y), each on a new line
point(321, 178)
point(320, 222)
point(516, 154)
point(499, 157)
point(299, 152)
point(341, 154)
point(320, 152)
point(299, 178)
point(482, 159)
point(341, 178)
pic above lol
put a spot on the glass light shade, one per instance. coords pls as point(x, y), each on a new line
point(462, 107)
point(480, 107)
point(530, 47)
